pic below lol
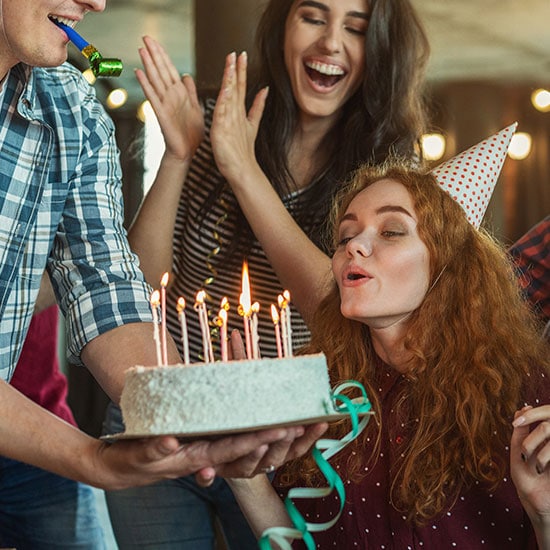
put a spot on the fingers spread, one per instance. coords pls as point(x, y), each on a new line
point(257, 110)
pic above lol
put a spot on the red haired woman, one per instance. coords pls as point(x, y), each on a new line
point(426, 312)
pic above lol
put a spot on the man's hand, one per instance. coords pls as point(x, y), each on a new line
point(129, 463)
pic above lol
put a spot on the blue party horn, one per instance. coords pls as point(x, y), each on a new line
point(99, 65)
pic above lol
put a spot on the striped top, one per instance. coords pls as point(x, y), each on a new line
point(196, 266)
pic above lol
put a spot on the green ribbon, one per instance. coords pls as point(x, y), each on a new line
point(329, 447)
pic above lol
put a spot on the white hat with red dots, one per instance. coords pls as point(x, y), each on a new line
point(471, 176)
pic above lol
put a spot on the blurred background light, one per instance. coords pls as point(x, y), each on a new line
point(520, 146)
point(433, 146)
point(117, 98)
point(541, 100)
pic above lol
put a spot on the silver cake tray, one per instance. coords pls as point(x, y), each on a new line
point(216, 434)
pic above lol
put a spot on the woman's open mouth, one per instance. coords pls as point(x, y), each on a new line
point(324, 75)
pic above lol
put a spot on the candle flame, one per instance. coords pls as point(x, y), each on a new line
point(164, 280)
point(274, 314)
point(255, 307)
point(224, 304)
point(155, 298)
point(180, 305)
point(245, 298)
point(283, 299)
point(221, 319)
point(199, 299)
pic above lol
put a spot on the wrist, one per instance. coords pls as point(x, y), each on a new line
point(247, 485)
point(82, 464)
point(176, 160)
point(248, 178)
point(541, 526)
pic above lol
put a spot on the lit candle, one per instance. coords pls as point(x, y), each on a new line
point(180, 306)
point(255, 308)
point(221, 321)
point(200, 307)
point(155, 301)
point(275, 317)
point(163, 284)
point(281, 302)
point(286, 295)
point(245, 309)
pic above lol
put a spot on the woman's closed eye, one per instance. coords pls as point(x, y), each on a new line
point(313, 20)
point(343, 241)
point(352, 29)
point(358, 27)
point(390, 233)
point(357, 32)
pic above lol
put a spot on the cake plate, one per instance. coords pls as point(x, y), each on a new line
point(217, 434)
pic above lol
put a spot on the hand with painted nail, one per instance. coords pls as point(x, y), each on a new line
point(234, 130)
point(530, 467)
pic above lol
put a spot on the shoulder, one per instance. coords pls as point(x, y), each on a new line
point(64, 83)
point(63, 98)
point(536, 387)
point(534, 242)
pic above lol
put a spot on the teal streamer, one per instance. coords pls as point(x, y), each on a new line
point(322, 451)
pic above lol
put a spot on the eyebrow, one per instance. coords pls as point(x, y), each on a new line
point(325, 8)
point(381, 210)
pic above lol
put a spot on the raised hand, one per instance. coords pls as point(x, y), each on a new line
point(530, 466)
point(174, 100)
point(234, 130)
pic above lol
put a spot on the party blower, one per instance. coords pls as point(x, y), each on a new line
point(99, 65)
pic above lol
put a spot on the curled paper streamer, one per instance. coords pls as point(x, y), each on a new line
point(214, 328)
point(323, 450)
point(216, 250)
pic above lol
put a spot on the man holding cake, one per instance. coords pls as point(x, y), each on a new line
point(61, 210)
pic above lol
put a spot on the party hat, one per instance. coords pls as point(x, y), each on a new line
point(471, 176)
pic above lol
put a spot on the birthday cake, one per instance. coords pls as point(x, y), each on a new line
point(235, 395)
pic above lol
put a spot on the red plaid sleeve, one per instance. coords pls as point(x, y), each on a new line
point(531, 254)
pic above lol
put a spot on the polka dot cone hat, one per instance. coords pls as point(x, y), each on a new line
point(471, 176)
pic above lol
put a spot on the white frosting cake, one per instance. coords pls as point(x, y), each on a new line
point(219, 396)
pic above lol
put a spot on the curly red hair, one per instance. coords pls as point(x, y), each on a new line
point(472, 341)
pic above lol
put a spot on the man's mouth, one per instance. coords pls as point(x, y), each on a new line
point(69, 22)
point(324, 74)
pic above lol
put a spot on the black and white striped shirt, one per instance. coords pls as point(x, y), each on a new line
point(193, 269)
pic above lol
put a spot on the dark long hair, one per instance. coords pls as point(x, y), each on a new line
point(387, 113)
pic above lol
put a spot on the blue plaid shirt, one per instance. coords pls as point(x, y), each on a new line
point(61, 209)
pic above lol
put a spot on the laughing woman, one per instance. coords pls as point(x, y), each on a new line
point(252, 174)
